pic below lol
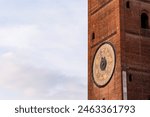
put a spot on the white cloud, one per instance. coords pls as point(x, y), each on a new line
point(43, 52)
point(19, 36)
point(33, 83)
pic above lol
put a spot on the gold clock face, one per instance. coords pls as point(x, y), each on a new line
point(104, 64)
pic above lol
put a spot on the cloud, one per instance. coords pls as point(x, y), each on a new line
point(43, 53)
point(33, 83)
point(20, 36)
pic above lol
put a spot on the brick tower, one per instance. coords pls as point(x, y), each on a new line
point(118, 49)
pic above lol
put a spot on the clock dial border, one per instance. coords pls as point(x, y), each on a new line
point(114, 52)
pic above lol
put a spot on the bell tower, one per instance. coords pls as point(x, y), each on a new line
point(118, 49)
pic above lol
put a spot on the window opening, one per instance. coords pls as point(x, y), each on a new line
point(130, 77)
point(127, 4)
point(93, 35)
point(144, 21)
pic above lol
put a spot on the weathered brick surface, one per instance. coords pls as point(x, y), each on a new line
point(104, 22)
point(111, 21)
point(136, 49)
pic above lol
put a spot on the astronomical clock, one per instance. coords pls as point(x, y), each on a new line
point(103, 64)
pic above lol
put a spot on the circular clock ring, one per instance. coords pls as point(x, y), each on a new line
point(104, 64)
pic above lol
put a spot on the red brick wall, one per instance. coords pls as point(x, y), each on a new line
point(111, 21)
point(135, 45)
point(104, 21)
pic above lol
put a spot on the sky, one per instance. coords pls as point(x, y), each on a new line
point(43, 49)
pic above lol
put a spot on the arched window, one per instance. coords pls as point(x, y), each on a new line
point(128, 4)
point(144, 21)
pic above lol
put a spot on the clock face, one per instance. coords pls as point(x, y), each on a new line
point(104, 64)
